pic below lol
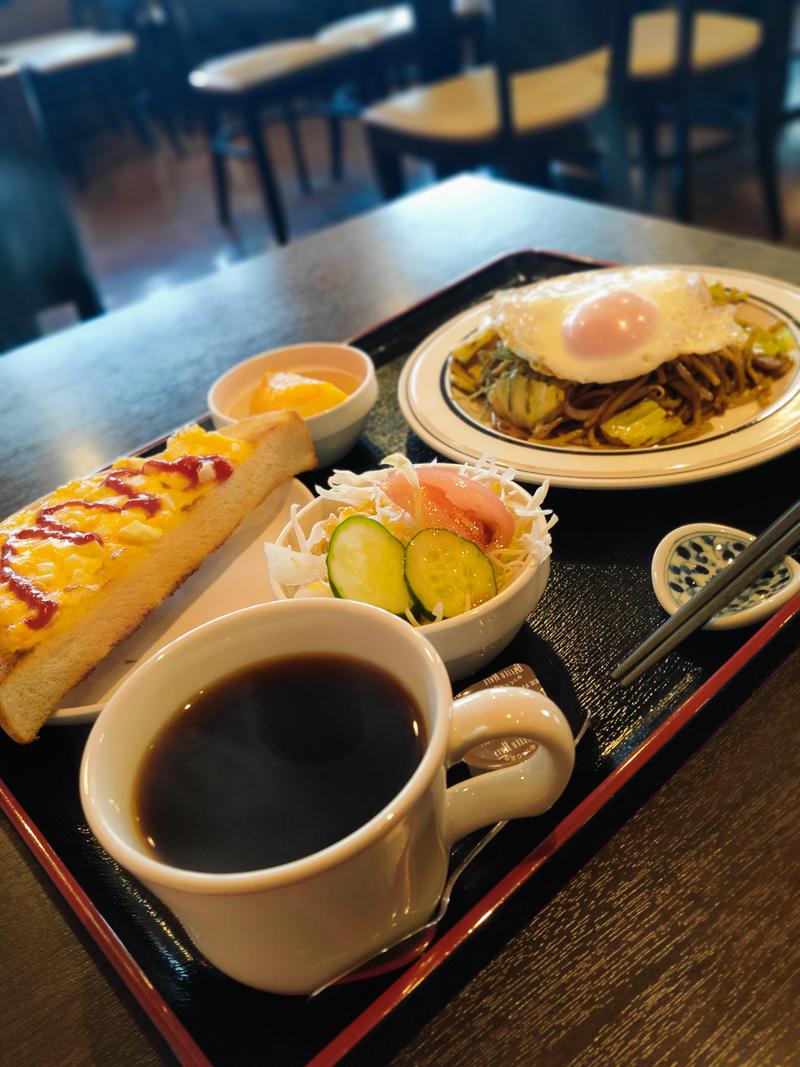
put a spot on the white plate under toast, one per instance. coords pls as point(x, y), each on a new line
point(233, 577)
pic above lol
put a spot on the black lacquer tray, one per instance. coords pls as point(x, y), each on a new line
point(598, 604)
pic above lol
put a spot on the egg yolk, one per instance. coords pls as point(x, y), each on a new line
point(610, 323)
point(285, 391)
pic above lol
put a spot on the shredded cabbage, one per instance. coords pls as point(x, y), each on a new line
point(303, 569)
point(290, 567)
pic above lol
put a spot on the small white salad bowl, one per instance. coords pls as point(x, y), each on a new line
point(334, 432)
point(469, 641)
point(690, 555)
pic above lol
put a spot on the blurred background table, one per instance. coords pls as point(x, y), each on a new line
point(669, 931)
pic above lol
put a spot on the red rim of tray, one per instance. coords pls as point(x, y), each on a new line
point(178, 1037)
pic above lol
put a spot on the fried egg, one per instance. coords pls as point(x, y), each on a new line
point(612, 325)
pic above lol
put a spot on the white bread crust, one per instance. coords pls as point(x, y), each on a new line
point(32, 683)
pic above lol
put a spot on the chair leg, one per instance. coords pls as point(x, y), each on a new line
point(219, 171)
point(87, 299)
point(443, 171)
point(104, 95)
point(169, 114)
point(529, 165)
point(174, 132)
point(682, 172)
point(298, 152)
point(137, 114)
point(617, 163)
point(59, 136)
point(373, 83)
point(648, 135)
point(335, 140)
point(766, 143)
point(388, 168)
point(266, 175)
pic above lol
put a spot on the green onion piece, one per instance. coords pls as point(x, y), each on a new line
point(644, 424)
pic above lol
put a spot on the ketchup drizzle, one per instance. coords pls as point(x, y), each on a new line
point(190, 466)
point(44, 525)
point(43, 606)
point(116, 481)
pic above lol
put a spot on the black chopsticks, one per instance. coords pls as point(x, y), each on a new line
point(771, 545)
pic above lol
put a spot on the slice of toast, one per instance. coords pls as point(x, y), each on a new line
point(143, 557)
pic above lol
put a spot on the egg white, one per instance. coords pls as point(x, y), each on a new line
point(530, 322)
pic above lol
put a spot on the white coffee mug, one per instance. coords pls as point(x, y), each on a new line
point(295, 927)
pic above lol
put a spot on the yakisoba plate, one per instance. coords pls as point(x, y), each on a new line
point(741, 437)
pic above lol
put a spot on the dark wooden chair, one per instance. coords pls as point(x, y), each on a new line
point(557, 69)
point(718, 66)
point(43, 262)
point(472, 19)
point(161, 63)
point(93, 59)
point(244, 91)
point(333, 72)
point(401, 43)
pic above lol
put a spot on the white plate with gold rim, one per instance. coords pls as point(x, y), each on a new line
point(233, 577)
point(742, 437)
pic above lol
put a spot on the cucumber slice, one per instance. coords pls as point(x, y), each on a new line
point(443, 568)
point(365, 562)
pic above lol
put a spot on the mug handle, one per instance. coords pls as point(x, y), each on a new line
point(523, 789)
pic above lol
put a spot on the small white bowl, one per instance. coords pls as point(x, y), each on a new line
point(467, 642)
point(690, 555)
point(333, 432)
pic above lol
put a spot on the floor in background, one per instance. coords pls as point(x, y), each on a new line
point(148, 220)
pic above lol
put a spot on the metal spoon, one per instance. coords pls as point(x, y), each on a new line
point(444, 903)
point(444, 900)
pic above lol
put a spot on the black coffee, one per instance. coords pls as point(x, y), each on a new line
point(275, 762)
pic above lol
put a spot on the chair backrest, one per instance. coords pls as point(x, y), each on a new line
point(772, 59)
point(525, 35)
point(777, 17)
point(438, 46)
point(214, 27)
point(42, 261)
point(92, 13)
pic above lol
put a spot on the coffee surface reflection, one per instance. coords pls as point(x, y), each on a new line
point(276, 762)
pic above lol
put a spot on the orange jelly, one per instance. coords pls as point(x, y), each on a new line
point(307, 394)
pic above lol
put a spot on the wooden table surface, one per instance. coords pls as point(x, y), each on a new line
point(670, 932)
